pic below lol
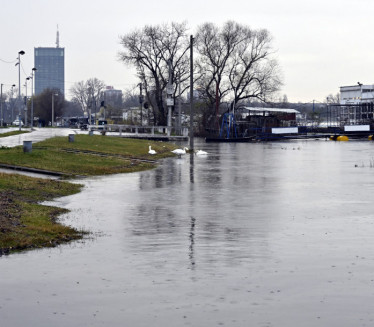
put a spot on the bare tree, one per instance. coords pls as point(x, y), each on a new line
point(87, 94)
point(333, 99)
point(237, 62)
point(12, 100)
point(153, 50)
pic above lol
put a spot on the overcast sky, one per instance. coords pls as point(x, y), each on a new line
point(320, 44)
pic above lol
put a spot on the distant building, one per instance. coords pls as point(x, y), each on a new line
point(112, 97)
point(50, 65)
point(356, 94)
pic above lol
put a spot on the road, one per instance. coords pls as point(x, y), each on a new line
point(37, 135)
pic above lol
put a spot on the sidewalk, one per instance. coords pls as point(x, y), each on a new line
point(37, 135)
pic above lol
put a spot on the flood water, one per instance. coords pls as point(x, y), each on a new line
point(263, 234)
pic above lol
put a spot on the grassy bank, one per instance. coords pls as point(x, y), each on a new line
point(26, 224)
point(88, 155)
point(13, 133)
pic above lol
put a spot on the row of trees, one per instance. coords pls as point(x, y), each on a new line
point(232, 63)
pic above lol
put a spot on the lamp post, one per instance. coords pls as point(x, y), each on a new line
point(19, 87)
point(191, 94)
point(53, 108)
point(1, 104)
point(27, 79)
point(11, 100)
point(32, 97)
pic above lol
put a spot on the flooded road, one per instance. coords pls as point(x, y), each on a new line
point(264, 234)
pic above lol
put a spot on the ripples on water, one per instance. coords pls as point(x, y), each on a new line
point(263, 234)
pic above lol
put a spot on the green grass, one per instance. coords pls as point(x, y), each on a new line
point(13, 133)
point(108, 144)
point(26, 224)
point(121, 155)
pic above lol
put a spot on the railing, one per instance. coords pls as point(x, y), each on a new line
point(136, 129)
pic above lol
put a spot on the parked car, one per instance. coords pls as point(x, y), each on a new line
point(17, 122)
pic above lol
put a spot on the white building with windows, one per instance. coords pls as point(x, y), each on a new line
point(356, 94)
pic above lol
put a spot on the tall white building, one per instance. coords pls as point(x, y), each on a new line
point(356, 94)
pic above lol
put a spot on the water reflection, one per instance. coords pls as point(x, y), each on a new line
point(212, 197)
point(192, 243)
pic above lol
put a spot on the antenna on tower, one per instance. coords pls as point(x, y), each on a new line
point(57, 38)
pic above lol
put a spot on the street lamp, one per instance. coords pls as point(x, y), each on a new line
point(53, 108)
point(12, 102)
point(27, 79)
point(19, 86)
point(1, 104)
point(32, 97)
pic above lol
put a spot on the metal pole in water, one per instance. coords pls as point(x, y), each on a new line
point(191, 94)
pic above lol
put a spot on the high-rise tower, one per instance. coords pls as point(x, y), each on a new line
point(50, 65)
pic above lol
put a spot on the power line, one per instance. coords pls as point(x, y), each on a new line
point(8, 62)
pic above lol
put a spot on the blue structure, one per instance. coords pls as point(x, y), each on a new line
point(228, 123)
point(50, 65)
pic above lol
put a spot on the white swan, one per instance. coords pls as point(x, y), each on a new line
point(151, 151)
point(179, 152)
point(201, 153)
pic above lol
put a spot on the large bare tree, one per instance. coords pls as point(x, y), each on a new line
point(155, 51)
point(236, 63)
point(88, 94)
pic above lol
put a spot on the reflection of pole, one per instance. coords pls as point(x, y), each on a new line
point(192, 241)
point(191, 94)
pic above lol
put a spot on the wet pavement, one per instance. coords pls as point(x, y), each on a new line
point(263, 234)
point(36, 135)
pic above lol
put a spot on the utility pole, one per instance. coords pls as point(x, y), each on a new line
point(1, 104)
point(27, 78)
point(169, 97)
point(19, 87)
point(12, 101)
point(32, 97)
point(191, 94)
point(53, 109)
point(179, 108)
point(141, 98)
point(217, 107)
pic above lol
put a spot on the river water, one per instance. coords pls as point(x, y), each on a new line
point(262, 234)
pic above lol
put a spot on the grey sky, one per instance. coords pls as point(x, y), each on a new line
point(320, 45)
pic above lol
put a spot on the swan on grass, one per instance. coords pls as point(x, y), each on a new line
point(151, 151)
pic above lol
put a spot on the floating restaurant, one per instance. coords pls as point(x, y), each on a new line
point(264, 124)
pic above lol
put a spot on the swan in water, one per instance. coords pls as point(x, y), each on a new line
point(151, 151)
point(201, 153)
point(179, 152)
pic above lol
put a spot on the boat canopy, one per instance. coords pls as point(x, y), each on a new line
point(280, 110)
